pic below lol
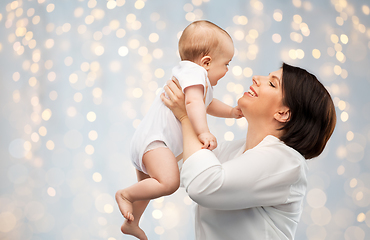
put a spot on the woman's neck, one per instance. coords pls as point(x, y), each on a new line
point(256, 134)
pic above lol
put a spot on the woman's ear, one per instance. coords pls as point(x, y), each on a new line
point(205, 62)
point(283, 115)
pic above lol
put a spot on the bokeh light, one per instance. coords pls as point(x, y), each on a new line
point(78, 77)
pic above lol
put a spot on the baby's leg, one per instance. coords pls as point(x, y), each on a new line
point(163, 170)
point(132, 227)
point(164, 179)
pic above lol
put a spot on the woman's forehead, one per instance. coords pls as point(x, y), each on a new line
point(278, 73)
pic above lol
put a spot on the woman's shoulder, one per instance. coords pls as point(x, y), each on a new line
point(281, 160)
point(283, 155)
point(228, 149)
point(274, 144)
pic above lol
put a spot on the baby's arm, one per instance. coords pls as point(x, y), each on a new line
point(220, 109)
point(196, 111)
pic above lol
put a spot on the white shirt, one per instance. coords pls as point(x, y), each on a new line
point(159, 123)
point(255, 195)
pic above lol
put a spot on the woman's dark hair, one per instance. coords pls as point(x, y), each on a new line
point(312, 113)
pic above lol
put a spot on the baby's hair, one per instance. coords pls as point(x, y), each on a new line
point(199, 39)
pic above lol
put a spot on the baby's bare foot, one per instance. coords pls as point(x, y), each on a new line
point(125, 206)
point(131, 228)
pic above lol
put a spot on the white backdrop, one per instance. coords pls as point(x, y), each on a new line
point(77, 76)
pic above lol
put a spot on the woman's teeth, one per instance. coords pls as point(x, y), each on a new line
point(251, 93)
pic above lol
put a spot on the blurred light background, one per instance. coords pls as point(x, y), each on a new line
point(77, 76)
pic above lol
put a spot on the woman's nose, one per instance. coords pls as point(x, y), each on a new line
point(256, 80)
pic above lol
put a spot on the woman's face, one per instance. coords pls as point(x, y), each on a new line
point(264, 98)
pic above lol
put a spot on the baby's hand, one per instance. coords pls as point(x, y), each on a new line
point(236, 112)
point(209, 141)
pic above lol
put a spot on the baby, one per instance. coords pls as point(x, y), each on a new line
point(205, 50)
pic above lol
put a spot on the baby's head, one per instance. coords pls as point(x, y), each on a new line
point(209, 46)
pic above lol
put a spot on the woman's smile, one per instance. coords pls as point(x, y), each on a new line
point(251, 92)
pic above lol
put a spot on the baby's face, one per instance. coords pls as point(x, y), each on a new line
point(220, 60)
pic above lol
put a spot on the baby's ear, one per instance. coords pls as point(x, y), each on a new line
point(206, 62)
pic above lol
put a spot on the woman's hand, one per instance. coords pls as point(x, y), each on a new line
point(175, 100)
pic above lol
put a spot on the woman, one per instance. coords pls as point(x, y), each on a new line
point(254, 188)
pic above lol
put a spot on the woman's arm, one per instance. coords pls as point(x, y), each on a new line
point(251, 180)
point(190, 140)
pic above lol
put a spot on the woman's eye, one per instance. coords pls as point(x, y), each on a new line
point(272, 85)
